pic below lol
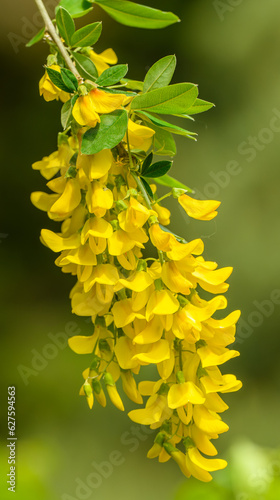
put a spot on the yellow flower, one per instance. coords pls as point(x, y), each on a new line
point(99, 198)
point(216, 382)
point(179, 457)
point(174, 280)
point(102, 61)
point(180, 251)
point(112, 391)
point(96, 231)
point(207, 464)
point(198, 465)
point(208, 421)
point(161, 302)
point(122, 242)
point(123, 313)
point(151, 333)
point(134, 217)
point(186, 392)
point(199, 209)
point(213, 281)
point(43, 201)
point(69, 199)
point(104, 274)
point(163, 214)
point(95, 166)
point(83, 344)
point(87, 108)
point(138, 281)
point(202, 441)
point(86, 390)
point(130, 388)
point(162, 240)
point(156, 409)
point(153, 353)
point(50, 165)
point(88, 304)
point(99, 393)
point(214, 356)
point(50, 91)
point(127, 260)
point(139, 136)
point(57, 243)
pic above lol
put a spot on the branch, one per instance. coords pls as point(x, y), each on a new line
point(51, 29)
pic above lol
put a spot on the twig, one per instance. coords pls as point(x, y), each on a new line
point(51, 29)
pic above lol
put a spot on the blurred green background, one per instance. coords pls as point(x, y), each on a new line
point(231, 49)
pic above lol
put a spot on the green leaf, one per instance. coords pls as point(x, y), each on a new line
point(66, 112)
point(132, 84)
point(160, 74)
point(116, 91)
point(77, 8)
point(147, 162)
point(112, 75)
point(65, 24)
point(56, 79)
point(107, 134)
point(173, 129)
point(87, 36)
point(166, 180)
point(36, 38)
point(199, 106)
point(168, 100)
point(69, 79)
point(136, 15)
point(157, 169)
point(85, 66)
point(147, 187)
point(187, 117)
point(164, 144)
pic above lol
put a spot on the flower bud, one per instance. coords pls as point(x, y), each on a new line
point(177, 192)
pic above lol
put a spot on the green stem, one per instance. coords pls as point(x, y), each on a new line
point(180, 356)
point(162, 198)
point(51, 29)
point(136, 178)
point(176, 430)
point(141, 188)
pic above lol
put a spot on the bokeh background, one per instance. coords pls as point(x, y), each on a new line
point(231, 49)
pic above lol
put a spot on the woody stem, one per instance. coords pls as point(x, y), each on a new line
point(142, 189)
point(51, 29)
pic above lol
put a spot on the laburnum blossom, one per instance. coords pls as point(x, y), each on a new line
point(141, 310)
point(199, 209)
point(104, 60)
point(88, 107)
point(139, 136)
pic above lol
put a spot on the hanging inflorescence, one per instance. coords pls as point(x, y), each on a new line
point(144, 310)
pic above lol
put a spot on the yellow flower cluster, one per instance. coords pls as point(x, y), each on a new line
point(142, 314)
point(144, 311)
